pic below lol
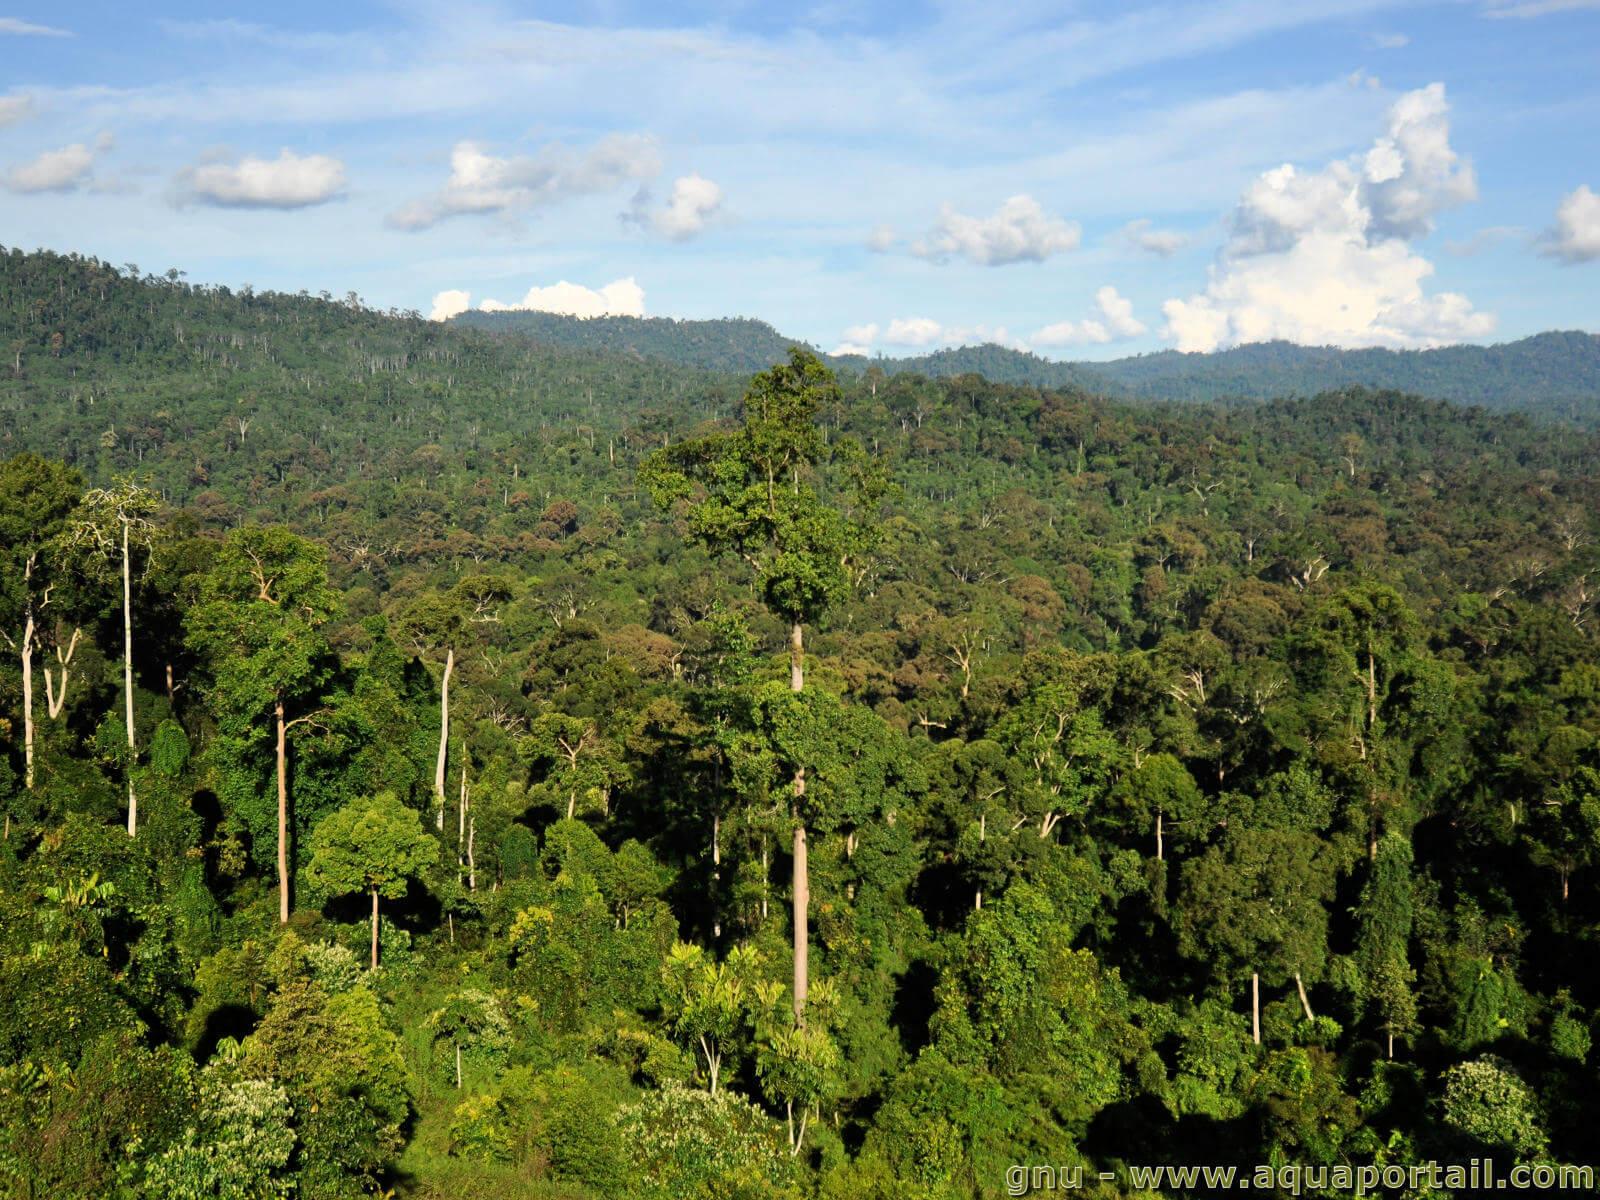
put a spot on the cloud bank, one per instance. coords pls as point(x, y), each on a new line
point(619, 298)
point(1324, 257)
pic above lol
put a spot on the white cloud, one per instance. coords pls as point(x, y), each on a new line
point(913, 331)
point(1115, 321)
point(881, 240)
point(619, 298)
point(1534, 8)
point(288, 181)
point(1141, 235)
point(862, 334)
point(15, 108)
point(844, 348)
point(450, 303)
point(63, 170)
point(1019, 231)
point(16, 28)
point(1576, 236)
point(1390, 41)
point(1324, 256)
point(695, 202)
point(481, 182)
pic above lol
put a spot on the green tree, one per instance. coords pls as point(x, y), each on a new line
point(707, 1001)
point(1383, 938)
point(259, 623)
point(110, 524)
point(374, 844)
point(36, 498)
point(752, 494)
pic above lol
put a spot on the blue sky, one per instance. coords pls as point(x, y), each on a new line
point(1086, 180)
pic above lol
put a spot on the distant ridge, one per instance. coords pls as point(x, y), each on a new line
point(1554, 375)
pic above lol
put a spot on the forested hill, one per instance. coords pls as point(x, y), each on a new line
point(1552, 375)
point(435, 764)
point(735, 344)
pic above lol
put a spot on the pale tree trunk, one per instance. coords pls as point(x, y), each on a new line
point(1391, 1043)
point(461, 826)
point(802, 878)
point(1160, 849)
point(374, 929)
point(27, 699)
point(1255, 1008)
point(1305, 1001)
point(283, 813)
point(472, 864)
point(127, 675)
point(458, 1066)
point(444, 731)
point(716, 874)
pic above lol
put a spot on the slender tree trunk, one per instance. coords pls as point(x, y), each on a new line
point(766, 875)
point(458, 1066)
point(802, 876)
point(444, 731)
point(283, 813)
point(472, 865)
point(127, 675)
point(374, 929)
point(797, 669)
point(1159, 847)
point(1305, 1001)
point(27, 699)
point(1255, 1008)
point(716, 873)
point(1391, 1043)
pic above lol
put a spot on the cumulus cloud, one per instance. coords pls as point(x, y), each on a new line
point(1576, 236)
point(913, 331)
point(1324, 256)
point(619, 298)
point(481, 182)
point(14, 109)
point(16, 28)
point(1114, 320)
point(450, 303)
point(695, 202)
point(65, 170)
point(921, 333)
point(288, 181)
point(1142, 235)
point(1019, 231)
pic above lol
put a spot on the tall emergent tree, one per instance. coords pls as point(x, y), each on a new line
point(752, 494)
point(35, 498)
point(374, 844)
point(108, 519)
point(259, 622)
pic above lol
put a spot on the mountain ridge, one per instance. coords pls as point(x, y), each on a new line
point(1555, 374)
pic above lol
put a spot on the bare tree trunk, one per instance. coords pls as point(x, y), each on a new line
point(472, 864)
point(1159, 847)
point(374, 929)
point(766, 875)
point(1255, 1008)
point(458, 1066)
point(127, 674)
point(716, 874)
point(1305, 1002)
point(802, 877)
point(27, 699)
point(1391, 1043)
point(283, 814)
point(444, 731)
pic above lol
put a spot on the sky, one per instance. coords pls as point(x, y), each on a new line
point(1084, 180)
